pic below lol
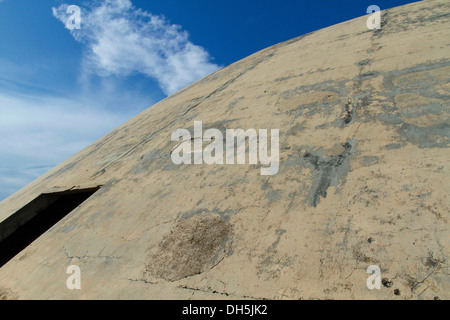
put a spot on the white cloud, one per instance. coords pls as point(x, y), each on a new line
point(38, 132)
point(41, 129)
point(123, 40)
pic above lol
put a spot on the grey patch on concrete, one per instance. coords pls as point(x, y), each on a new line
point(363, 63)
point(225, 215)
point(333, 86)
point(367, 75)
point(279, 232)
point(423, 84)
point(156, 159)
point(436, 136)
point(344, 37)
point(337, 123)
point(324, 108)
point(413, 85)
point(230, 252)
point(432, 108)
point(422, 195)
point(233, 104)
point(390, 118)
point(370, 160)
point(393, 146)
point(237, 181)
point(293, 130)
point(67, 229)
point(274, 195)
point(423, 20)
point(193, 246)
point(329, 171)
point(161, 194)
point(93, 217)
point(288, 77)
point(149, 159)
point(406, 187)
point(374, 50)
point(320, 70)
point(265, 185)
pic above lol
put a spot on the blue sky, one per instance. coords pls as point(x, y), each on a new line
point(61, 89)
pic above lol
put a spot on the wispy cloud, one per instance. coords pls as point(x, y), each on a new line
point(38, 132)
point(42, 125)
point(124, 40)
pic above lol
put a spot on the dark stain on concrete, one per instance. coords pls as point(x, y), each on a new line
point(370, 160)
point(436, 136)
point(7, 294)
point(393, 146)
point(279, 232)
point(349, 112)
point(233, 104)
point(274, 195)
point(327, 171)
point(363, 63)
point(224, 214)
point(193, 246)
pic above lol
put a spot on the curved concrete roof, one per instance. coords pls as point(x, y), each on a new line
point(363, 179)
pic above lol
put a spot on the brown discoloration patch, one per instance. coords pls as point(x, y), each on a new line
point(193, 246)
point(7, 294)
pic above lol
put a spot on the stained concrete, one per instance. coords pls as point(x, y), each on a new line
point(363, 180)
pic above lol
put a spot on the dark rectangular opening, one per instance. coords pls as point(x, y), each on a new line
point(20, 229)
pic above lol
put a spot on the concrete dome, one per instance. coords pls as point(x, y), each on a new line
point(362, 180)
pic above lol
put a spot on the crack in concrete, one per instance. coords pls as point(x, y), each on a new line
point(142, 280)
point(86, 256)
point(417, 283)
point(210, 290)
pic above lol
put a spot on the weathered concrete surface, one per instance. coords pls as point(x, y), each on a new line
point(363, 180)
